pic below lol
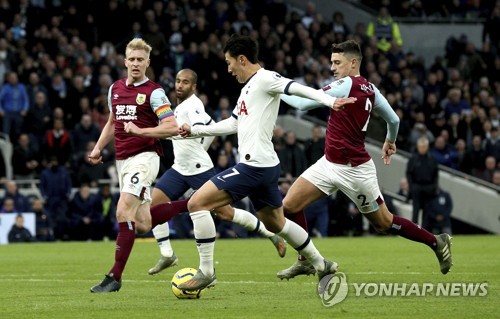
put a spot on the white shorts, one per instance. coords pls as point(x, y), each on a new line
point(359, 183)
point(136, 174)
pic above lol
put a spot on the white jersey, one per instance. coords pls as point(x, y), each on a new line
point(257, 111)
point(190, 156)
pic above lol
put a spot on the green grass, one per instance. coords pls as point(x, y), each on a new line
point(53, 280)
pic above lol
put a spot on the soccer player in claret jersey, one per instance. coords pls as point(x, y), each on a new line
point(256, 176)
point(138, 100)
point(191, 169)
point(346, 164)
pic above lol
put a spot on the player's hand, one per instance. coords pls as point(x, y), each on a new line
point(131, 128)
point(184, 130)
point(95, 157)
point(388, 150)
point(341, 102)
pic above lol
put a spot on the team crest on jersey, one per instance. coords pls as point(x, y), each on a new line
point(140, 99)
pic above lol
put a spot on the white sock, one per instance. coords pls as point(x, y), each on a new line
point(204, 233)
point(250, 222)
point(299, 239)
point(162, 235)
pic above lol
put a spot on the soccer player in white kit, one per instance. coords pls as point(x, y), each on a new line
point(191, 169)
point(347, 165)
point(257, 174)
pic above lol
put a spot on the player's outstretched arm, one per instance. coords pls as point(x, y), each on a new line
point(319, 96)
point(167, 128)
point(224, 127)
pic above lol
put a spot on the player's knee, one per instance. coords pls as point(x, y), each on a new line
point(142, 227)
point(291, 208)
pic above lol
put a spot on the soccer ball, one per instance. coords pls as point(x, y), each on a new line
point(180, 277)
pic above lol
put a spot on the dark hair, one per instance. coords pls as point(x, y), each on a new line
point(349, 47)
point(242, 45)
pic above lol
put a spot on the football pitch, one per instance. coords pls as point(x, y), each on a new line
point(53, 281)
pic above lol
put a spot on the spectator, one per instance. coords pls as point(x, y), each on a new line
point(55, 186)
point(84, 132)
point(419, 130)
point(455, 103)
point(44, 226)
point(444, 153)
point(21, 202)
point(496, 177)
point(8, 206)
point(423, 176)
point(385, 30)
point(108, 202)
point(18, 233)
point(315, 146)
point(25, 160)
point(57, 143)
point(14, 105)
point(292, 158)
point(404, 188)
point(439, 213)
point(318, 217)
point(84, 215)
point(473, 161)
point(38, 120)
point(85, 172)
point(490, 165)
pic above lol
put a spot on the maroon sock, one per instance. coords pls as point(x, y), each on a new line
point(124, 243)
point(300, 219)
point(162, 213)
point(409, 230)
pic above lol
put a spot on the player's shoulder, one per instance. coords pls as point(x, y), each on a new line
point(265, 75)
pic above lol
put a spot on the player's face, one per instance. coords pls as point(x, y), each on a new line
point(235, 68)
point(184, 86)
point(341, 65)
point(136, 61)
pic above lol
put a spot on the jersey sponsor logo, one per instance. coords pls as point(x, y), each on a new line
point(276, 75)
point(365, 88)
point(242, 108)
point(140, 99)
point(126, 112)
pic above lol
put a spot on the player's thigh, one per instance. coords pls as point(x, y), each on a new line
point(127, 207)
point(137, 174)
point(208, 197)
point(300, 195)
point(360, 184)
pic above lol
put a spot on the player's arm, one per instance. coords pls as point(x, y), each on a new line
point(305, 98)
point(107, 134)
point(224, 127)
point(384, 110)
point(168, 125)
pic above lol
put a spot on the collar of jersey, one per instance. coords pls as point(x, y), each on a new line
point(251, 77)
point(137, 83)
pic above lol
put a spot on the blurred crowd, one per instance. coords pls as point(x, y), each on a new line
point(58, 59)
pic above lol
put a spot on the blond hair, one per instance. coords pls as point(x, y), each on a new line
point(138, 44)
